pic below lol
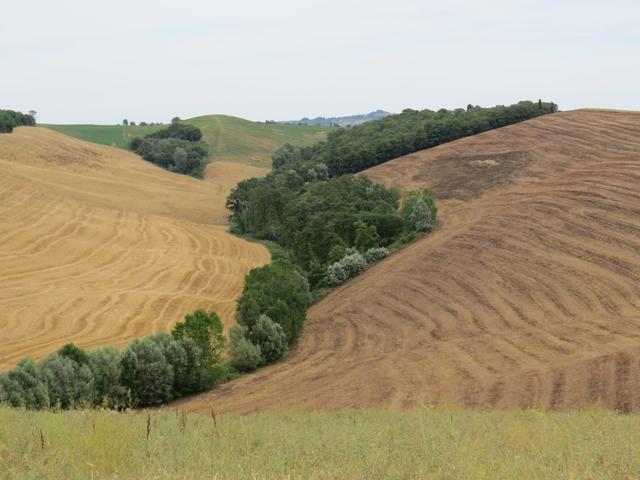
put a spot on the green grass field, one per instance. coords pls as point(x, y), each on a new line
point(237, 140)
point(431, 444)
point(112, 135)
point(230, 138)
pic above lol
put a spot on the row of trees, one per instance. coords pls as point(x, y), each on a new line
point(10, 119)
point(269, 316)
point(353, 149)
point(151, 371)
point(126, 123)
point(178, 148)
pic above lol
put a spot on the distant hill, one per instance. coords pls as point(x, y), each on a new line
point(230, 139)
point(342, 121)
point(233, 139)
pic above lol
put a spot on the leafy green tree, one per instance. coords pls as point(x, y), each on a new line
point(366, 236)
point(419, 211)
point(147, 373)
point(107, 371)
point(285, 156)
point(24, 386)
point(74, 353)
point(10, 119)
point(375, 254)
point(205, 330)
point(270, 338)
point(420, 216)
point(278, 290)
point(180, 131)
point(125, 122)
point(69, 383)
point(245, 356)
point(348, 267)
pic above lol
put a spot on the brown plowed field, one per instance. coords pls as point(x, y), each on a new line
point(98, 247)
point(527, 294)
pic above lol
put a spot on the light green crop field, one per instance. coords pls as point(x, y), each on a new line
point(233, 139)
point(112, 135)
point(230, 139)
point(426, 443)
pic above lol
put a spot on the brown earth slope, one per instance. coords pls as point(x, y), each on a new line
point(527, 294)
point(98, 246)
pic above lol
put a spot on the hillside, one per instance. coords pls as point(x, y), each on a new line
point(111, 135)
point(233, 139)
point(230, 139)
point(526, 294)
point(99, 247)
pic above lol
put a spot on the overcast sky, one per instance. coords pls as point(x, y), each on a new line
point(79, 61)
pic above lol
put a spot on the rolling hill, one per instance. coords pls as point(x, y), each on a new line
point(110, 135)
point(526, 295)
point(98, 247)
point(230, 139)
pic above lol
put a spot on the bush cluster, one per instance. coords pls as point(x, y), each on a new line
point(10, 119)
point(178, 148)
point(270, 315)
point(375, 254)
point(353, 264)
point(347, 267)
point(151, 371)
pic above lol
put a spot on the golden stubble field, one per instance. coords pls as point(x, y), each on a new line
point(98, 247)
point(526, 295)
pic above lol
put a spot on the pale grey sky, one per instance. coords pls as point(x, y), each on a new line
point(79, 61)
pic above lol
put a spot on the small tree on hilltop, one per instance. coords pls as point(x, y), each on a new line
point(125, 122)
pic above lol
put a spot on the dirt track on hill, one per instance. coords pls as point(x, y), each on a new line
point(98, 247)
point(526, 295)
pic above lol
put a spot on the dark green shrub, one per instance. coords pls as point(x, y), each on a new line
point(147, 373)
point(244, 355)
point(24, 386)
point(270, 338)
point(107, 372)
point(74, 353)
point(69, 383)
point(205, 331)
point(278, 290)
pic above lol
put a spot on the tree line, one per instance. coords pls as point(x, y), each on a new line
point(10, 119)
point(178, 148)
point(151, 371)
point(353, 149)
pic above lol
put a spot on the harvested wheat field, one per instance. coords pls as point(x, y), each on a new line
point(226, 175)
point(98, 247)
point(526, 295)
